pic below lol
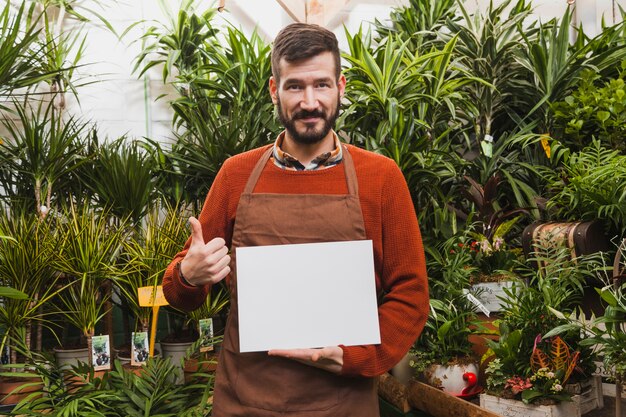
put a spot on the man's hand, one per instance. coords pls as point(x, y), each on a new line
point(205, 263)
point(328, 358)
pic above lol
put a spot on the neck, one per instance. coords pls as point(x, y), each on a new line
point(305, 153)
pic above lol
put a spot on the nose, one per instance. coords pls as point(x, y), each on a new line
point(309, 99)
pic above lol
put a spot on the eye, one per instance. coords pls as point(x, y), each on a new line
point(293, 87)
point(323, 84)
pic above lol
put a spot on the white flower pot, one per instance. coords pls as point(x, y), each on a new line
point(454, 379)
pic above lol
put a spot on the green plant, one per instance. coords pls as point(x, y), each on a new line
point(20, 51)
point(25, 271)
point(38, 156)
point(496, 378)
point(122, 179)
point(605, 333)
point(419, 22)
point(223, 107)
point(87, 252)
point(148, 252)
point(452, 318)
point(447, 331)
point(154, 392)
point(554, 65)
point(596, 109)
point(590, 185)
point(551, 278)
point(487, 48)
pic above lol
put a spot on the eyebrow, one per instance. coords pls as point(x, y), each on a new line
point(300, 80)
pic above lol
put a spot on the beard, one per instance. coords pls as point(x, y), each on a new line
point(310, 135)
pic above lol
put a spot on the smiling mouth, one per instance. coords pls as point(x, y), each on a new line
point(310, 119)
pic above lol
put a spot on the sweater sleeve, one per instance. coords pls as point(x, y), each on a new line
point(216, 222)
point(404, 309)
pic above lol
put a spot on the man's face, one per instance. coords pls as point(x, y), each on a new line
point(308, 97)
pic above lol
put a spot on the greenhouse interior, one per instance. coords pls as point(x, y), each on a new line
point(463, 236)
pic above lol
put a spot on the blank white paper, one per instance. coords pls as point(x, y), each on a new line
point(306, 296)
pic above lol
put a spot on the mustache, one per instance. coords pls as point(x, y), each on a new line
point(303, 114)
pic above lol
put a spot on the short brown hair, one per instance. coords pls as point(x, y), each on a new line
point(300, 41)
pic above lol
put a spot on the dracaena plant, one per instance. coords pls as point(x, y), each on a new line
point(122, 178)
point(38, 156)
point(554, 65)
point(486, 48)
point(400, 103)
point(148, 252)
point(222, 107)
point(418, 22)
point(20, 49)
point(27, 277)
point(88, 247)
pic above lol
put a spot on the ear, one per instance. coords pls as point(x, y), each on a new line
point(341, 84)
point(273, 87)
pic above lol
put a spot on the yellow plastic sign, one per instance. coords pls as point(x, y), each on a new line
point(151, 296)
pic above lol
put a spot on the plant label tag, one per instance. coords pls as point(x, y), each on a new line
point(205, 329)
point(100, 352)
point(477, 303)
point(151, 296)
point(139, 348)
point(487, 145)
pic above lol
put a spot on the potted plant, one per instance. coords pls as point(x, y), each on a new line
point(25, 266)
point(27, 284)
point(87, 252)
point(519, 358)
point(176, 344)
point(147, 252)
point(443, 354)
point(605, 333)
point(204, 358)
point(543, 391)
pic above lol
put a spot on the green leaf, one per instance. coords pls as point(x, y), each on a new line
point(8, 292)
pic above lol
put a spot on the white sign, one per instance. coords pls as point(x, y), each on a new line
point(307, 296)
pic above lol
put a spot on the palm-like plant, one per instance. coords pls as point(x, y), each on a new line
point(223, 108)
point(403, 104)
point(419, 22)
point(38, 155)
point(554, 65)
point(25, 267)
point(122, 178)
point(87, 252)
point(20, 50)
point(149, 252)
point(486, 47)
point(589, 184)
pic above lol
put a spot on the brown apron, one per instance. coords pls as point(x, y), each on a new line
point(255, 384)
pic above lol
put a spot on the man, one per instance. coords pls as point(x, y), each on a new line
point(306, 187)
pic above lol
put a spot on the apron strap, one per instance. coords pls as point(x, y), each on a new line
point(256, 172)
point(348, 165)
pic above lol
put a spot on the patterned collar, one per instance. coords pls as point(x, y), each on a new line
point(284, 160)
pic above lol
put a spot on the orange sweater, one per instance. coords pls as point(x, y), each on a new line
point(390, 223)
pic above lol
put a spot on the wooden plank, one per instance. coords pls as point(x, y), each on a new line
point(439, 404)
point(394, 392)
point(294, 8)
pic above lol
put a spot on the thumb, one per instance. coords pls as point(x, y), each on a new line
point(196, 232)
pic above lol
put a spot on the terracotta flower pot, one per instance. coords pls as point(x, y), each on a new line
point(195, 365)
point(13, 390)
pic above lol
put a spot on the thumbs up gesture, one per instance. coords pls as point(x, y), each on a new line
point(205, 263)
